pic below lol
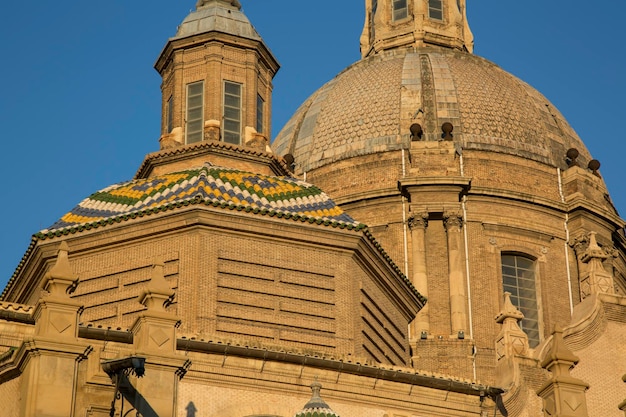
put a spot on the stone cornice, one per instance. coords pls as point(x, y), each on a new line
point(35, 347)
point(392, 374)
point(165, 156)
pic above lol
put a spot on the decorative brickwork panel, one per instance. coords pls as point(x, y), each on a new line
point(604, 376)
point(275, 303)
point(10, 397)
point(111, 282)
point(383, 340)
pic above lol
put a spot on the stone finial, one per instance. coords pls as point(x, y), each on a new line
point(571, 157)
point(159, 293)
point(509, 313)
point(416, 132)
point(446, 131)
point(596, 279)
point(511, 343)
point(594, 166)
point(60, 280)
point(563, 395)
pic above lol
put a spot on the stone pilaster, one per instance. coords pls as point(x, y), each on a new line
point(453, 222)
point(155, 339)
point(56, 314)
point(511, 343)
point(418, 224)
point(51, 357)
point(563, 395)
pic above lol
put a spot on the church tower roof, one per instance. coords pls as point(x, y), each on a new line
point(220, 16)
point(217, 89)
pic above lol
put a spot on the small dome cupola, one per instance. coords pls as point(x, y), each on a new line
point(391, 24)
point(316, 405)
point(217, 80)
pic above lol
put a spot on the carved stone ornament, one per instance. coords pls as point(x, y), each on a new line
point(453, 220)
point(419, 220)
point(596, 279)
point(513, 340)
point(580, 244)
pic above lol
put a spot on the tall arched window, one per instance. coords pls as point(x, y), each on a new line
point(195, 111)
point(400, 9)
point(519, 278)
point(435, 9)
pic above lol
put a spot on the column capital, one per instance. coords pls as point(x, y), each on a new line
point(453, 219)
point(418, 221)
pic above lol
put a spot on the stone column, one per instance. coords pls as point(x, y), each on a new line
point(418, 224)
point(563, 395)
point(453, 222)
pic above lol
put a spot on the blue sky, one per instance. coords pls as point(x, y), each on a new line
point(80, 104)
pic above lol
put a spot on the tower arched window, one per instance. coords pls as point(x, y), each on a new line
point(372, 21)
point(195, 111)
point(435, 9)
point(400, 9)
point(519, 278)
point(232, 112)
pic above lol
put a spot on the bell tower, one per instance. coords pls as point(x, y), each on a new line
point(217, 80)
point(391, 24)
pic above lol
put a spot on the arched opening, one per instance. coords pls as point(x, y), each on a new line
point(519, 278)
point(400, 9)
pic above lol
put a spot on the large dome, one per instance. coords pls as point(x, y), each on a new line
point(369, 108)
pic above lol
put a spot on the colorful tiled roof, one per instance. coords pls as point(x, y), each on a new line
point(220, 187)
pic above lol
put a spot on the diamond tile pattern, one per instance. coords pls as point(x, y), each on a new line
point(221, 186)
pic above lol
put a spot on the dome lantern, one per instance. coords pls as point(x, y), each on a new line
point(391, 24)
point(217, 81)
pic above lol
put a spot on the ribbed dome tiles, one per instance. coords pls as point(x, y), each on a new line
point(219, 16)
point(369, 107)
point(221, 187)
point(316, 407)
